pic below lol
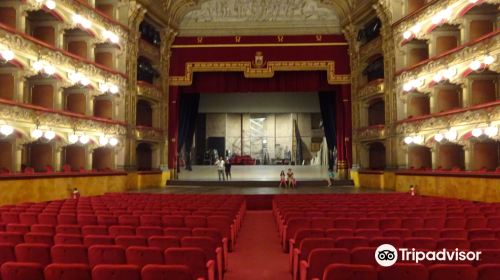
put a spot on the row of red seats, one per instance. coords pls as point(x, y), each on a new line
point(365, 248)
point(33, 271)
point(288, 228)
point(410, 271)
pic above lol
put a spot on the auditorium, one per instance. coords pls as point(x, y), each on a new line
point(249, 140)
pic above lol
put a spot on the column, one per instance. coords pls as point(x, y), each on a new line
point(468, 155)
point(434, 156)
point(89, 159)
point(57, 157)
point(18, 157)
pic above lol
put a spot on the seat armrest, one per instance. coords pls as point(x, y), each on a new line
point(210, 270)
point(225, 251)
point(218, 254)
point(304, 265)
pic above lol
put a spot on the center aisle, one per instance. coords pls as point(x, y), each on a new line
point(258, 254)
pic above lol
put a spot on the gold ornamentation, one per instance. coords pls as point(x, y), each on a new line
point(259, 60)
point(149, 134)
point(372, 132)
point(150, 92)
point(265, 72)
point(371, 89)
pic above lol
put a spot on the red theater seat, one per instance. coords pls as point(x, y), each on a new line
point(349, 272)
point(41, 238)
point(166, 272)
point(400, 232)
point(489, 256)
point(113, 271)
point(69, 229)
point(129, 220)
point(452, 243)
point(351, 242)
point(344, 223)
point(209, 247)
point(121, 230)
point(7, 253)
point(94, 230)
point(452, 272)
point(90, 240)
point(106, 254)
point(85, 220)
point(107, 220)
point(321, 222)
point(142, 256)
point(363, 255)
point(319, 259)
point(195, 221)
point(58, 271)
point(421, 243)
point(428, 233)
point(40, 228)
point(412, 223)
point(28, 218)
point(484, 243)
point(488, 271)
point(336, 233)
point(394, 241)
point(151, 220)
point(66, 219)
point(390, 223)
point(306, 246)
point(175, 221)
point(47, 219)
point(68, 239)
point(194, 258)
point(406, 271)
point(17, 228)
point(33, 253)
point(148, 231)
point(132, 240)
point(69, 253)
point(20, 270)
point(368, 233)
point(367, 223)
point(10, 217)
point(177, 232)
point(163, 242)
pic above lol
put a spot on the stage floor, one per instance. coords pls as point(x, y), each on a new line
point(261, 190)
point(255, 173)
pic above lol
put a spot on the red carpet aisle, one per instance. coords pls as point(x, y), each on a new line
point(258, 253)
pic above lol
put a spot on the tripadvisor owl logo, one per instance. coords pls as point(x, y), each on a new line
point(386, 255)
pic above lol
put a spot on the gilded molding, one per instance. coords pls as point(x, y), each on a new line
point(148, 134)
point(370, 49)
point(265, 72)
point(375, 132)
point(371, 89)
point(149, 51)
point(149, 92)
point(17, 114)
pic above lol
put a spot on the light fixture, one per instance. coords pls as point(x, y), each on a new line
point(50, 4)
point(77, 78)
point(7, 55)
point(489, 59)
point(439, 137)
point(6, 130)
point(113, 141)
point(418, 139)
point(475, 65)
point(103, 140)
point(473, 1)
point(73, 138)
point(450, 73)
point(107, 87)
point(84, 139)
point(78, 19)
point(476, 132)
point(407, 86)
point(112, 37)
point(113, 89)
point(491, 131)
point(451, 135)
point(49, 135)
point(43, 66)
point(36, 134)
point(437, 78)
point(416, 28)
point(407, 34)
point(408, 140)
point(49, 69)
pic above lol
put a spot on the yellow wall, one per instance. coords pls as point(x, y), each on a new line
point(471, 188)
point(51, 188)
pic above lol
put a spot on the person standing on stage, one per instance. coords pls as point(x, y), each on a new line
point(331, 176)
point(227, 167)
point(291, 178)
point(220, 169)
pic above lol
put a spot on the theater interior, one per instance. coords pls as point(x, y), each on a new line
point(145, 140)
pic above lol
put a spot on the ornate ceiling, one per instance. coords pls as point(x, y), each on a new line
point(259, 17)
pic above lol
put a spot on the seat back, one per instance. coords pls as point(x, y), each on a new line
point(148, 231)
point(320, 258)
point(407, 271)
point(7, 253)
point(452, 271)
point(349, 271)
point(12, 238)
point(121, 230)
point(166, 272)
point(177, 232)
point(40, 238)
point(310, 243)
point(363, 255)
point(57, 271)
point(132, 240)
point(33, 253)
point(106, 254)
point(194, 221)
point(194, 258)
point(351, 242)
point(142, 256)
point(94, 230)
point(116, 271)
point(488, 271)
point(176, 221)
point(163, 242)
point(422, 243)
point(20, 270)
point(69, 253)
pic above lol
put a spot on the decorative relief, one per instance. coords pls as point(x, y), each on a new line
point(54, 120)
point(149, 91)
point(372, 132)
point(436, 123)
point(371, 89)
point(148, 133)
point(371, 48)
point(264, 15)
point(264, 72)
point(149, 51)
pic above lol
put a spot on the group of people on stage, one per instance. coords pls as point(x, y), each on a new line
point(223, 169)
point(288, 181)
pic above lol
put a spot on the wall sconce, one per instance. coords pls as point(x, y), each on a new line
point(6, 130)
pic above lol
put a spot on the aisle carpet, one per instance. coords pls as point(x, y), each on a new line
point(258, 254)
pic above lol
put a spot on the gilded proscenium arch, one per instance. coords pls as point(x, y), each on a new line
point(264, 72)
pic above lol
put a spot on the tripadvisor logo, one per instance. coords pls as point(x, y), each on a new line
point(387, 255)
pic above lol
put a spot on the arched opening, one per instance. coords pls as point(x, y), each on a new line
point(447, 38)
point(7, 158)
point(370, 31)
point(144, 116)
point(144, 155)
point(76, 101)
point(7, 86)
point(376, 112)
point(448, 98)
point(42, 94)
point(485, 155)
point(43, 26)
point(419, 157)
point(483, 91)
point(413, 5)
point(104, 55)
point(103, 159)
point(451, 156)
point(76, 42)
point(418, 105)
point(375, 68)
point(481, 20)
point(149, 33)
point(145, 71)
point(103, 108)
point(376, 156)
point(8, 16)
point(74, 157)
point(417, 51)
point(39, 156)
